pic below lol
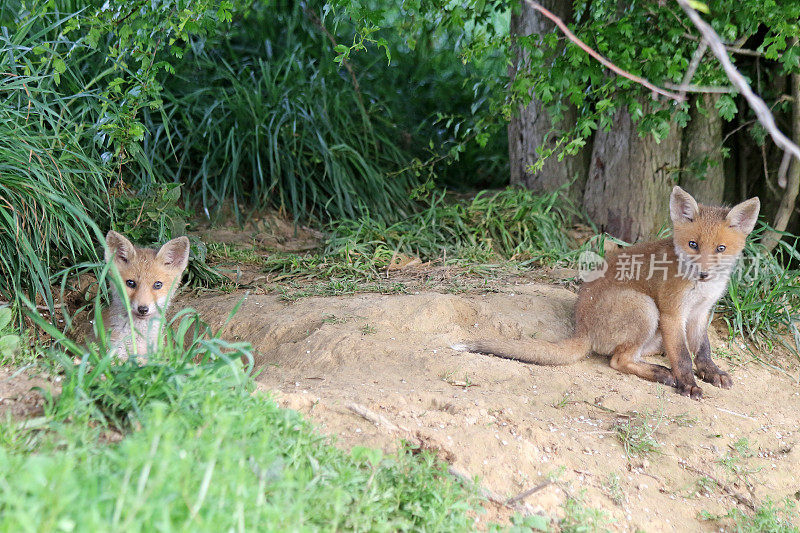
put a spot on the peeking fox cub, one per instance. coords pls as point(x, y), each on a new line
point(150, 278)
point(660, 306)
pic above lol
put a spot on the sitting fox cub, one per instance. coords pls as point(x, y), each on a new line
point(151, 278)
point(660, 307)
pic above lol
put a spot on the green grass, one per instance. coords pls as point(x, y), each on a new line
point(201, 452)
point(612, 488)
point(52, 186)
point(259, 115)
point(292, 292)
point(763, 300)
point(769, 517)
point(478, 234)
point(231, 461)
point(579, 518)
point(511, 223)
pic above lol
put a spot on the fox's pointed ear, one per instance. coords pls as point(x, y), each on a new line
point(175, 253)
point(682, 207)
point(743, 216)
point(118, 248)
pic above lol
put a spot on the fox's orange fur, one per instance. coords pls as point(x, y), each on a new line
point(667, 313)
point(150, 278)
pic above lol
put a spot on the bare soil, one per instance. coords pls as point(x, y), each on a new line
point(514, 425)
point(19, 396)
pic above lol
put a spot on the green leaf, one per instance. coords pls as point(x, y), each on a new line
point(172, 196)
point(9, 345)
point(726, 107)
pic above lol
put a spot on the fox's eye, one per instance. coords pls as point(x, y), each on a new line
point(693, 245)
point(157, 285)
point(130, 283)
point(720, 248)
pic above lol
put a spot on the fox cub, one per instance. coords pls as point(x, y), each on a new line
point(151, 278)
point(653, 298)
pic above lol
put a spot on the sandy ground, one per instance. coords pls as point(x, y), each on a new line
point(513, 425)
point(19, 397)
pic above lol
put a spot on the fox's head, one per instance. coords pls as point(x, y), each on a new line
point(708, 238)
point(150, 276)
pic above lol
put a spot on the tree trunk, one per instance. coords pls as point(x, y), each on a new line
point(702, 171)
point(531, 127)
point(630, 179)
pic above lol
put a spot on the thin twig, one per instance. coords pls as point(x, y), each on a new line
point(316, 20)
point(522, 495)
point(572, 37)
point(738, 497)
point(756, 103)
point(736, 414)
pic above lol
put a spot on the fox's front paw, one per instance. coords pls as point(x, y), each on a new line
point(691, 390)
point(716, 377)
point(664, 376)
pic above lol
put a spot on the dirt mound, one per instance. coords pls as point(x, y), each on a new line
point(513, 424)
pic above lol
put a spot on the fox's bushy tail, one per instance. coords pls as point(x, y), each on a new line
point(539, 352)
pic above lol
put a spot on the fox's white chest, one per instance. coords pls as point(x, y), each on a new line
point(131, 337)
point(698, 300)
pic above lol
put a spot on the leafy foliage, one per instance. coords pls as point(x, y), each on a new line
point(651, 40)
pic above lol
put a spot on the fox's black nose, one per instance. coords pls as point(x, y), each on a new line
point(703, 275)
point(142, 309)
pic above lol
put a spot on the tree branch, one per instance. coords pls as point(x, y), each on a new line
point(708, 89)
point(572, 37)
point(734, 49)
point(756, 103)
point(693, 64)
point(791, 187)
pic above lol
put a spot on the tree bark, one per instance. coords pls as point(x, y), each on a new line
point(630, 179)
point(702, 171)
point(532, 127)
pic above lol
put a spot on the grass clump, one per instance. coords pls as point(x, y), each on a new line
point(259, 115)
point(512, 224)
point(769, 517)
point(52, 185)
point(637, 434)
point(578, 518)
point(763, 300)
